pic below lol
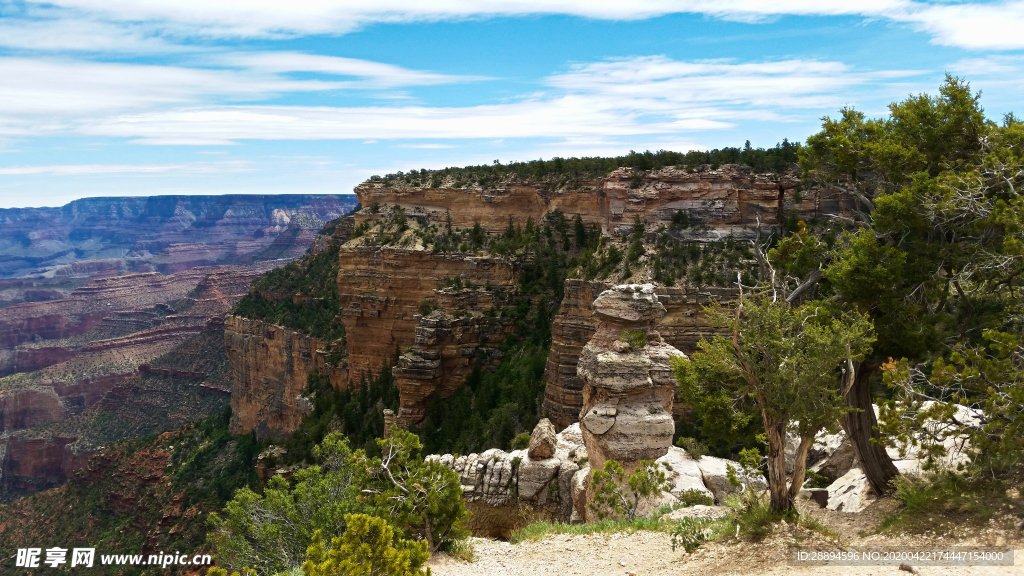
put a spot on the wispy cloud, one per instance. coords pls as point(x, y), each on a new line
point(371, 75)
point(644, 95)
point(88, 169)
point(974, 25)
point(55, 95)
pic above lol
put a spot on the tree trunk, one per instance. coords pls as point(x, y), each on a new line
point(861, 427)
point(781, 501)
point(800, 468)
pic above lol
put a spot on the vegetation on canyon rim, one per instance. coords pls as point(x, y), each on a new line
point(927, 270)
point(911, 301)
point(560, 171)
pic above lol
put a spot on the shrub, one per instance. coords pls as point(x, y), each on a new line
point(636, 339)
point(521, 441)
point(689, 533)
point(426, 307)
point(368, 548)
point(615, 494)
point(270, 532)
point(695, 448)
point(694, 497)
point(423, 498)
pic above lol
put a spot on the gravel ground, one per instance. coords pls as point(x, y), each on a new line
point(643, 553)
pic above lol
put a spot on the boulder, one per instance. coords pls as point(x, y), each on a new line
point(838, 463)
point(683, 472)
point(580, 488)
point(715, 473)
point(535, 476)
point(542, 440)
point(851, 492)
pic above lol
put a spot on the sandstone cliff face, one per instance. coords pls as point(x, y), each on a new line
point(729, 200)
point(58, 387)
point(446, 349)
point(87, 307)
point(269, 366)
point(381, 290)
point(28, 407)
point(381, 287)
point(34, 464)
point(627, 380)
point(491, 207)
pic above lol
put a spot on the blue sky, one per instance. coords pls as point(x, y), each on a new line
point(131, 97)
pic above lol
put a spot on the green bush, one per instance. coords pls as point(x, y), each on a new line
point(356, 412)
point(368, 548)
point(695, 448)
point(564, 171)
point(616, 494)
point(521, 441)
point(271, 297)
point(694, 497)
point(270, 532)
point(636, 339)
point(689, 533)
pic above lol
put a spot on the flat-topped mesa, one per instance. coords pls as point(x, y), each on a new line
point(628, 386)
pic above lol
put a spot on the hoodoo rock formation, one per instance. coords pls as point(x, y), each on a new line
point(627, 374)
point(682, 326)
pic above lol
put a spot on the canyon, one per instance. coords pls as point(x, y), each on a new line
point(396, 300)
point(164, 234)
point(95, 348)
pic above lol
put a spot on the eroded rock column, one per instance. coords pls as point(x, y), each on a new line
point(628, 386)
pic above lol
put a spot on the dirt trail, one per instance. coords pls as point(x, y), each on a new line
point(644, 553)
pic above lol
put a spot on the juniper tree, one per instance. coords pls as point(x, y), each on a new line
point(792, 363)
point(897, 263)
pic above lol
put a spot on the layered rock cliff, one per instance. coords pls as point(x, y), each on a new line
point(729, 200)
point(450, 342)
point(381, 289)
point(397, 259)
point(269, 368)
point(160, 233)
point(58, 397)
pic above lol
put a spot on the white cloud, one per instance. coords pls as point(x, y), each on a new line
point(645, 95)
point(39, 95)
point(271, 17)
point(373, 75)
point(60, 86)
point(90, 169)
point(974, 25)
point(83, 35)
